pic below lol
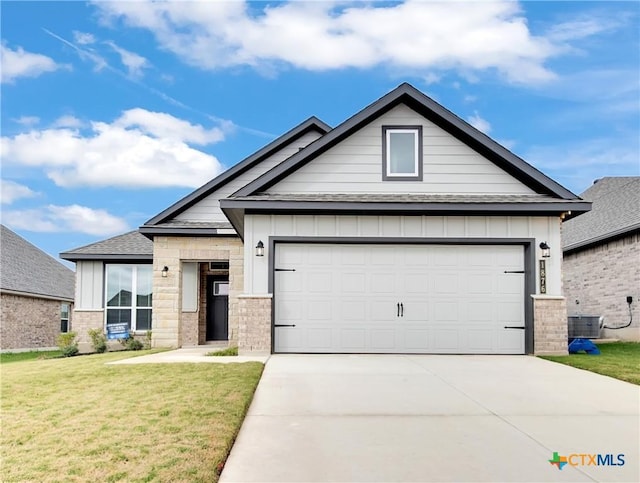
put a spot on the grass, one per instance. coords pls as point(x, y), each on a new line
point(27, 356)
point(77, 419)
point(617, 359)
point(229, 351)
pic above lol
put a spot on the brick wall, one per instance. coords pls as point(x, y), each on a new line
point(171, 251)
point(254, 335)
point(600, 278)
point(550, 325)
point(28, 322)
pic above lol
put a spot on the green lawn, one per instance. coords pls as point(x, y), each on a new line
point(27, 356)
point(617, 359)
point(77, 419)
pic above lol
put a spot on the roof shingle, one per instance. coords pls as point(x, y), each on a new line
point(128, 245)
point(27, 269)
point(615, 211)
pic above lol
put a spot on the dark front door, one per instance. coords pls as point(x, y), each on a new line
point(217, 308)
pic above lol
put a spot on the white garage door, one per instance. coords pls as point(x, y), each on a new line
point(332, 298)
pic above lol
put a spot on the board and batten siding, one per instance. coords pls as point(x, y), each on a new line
point(261, 227)
point(208, 209)
point(89, 285)
point(355, 165)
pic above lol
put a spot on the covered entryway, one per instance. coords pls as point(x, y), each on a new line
point(399, 298)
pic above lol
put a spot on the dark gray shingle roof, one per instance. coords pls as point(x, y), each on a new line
point(615, 211)
point(25, 268)
point(132, 245)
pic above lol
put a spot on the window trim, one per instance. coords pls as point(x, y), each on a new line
point(66, 319)
point(134, 307)
point(418, 162)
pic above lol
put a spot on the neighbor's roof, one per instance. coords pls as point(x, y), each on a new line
point(27, 269)
point(615, 212)
point(130, 246)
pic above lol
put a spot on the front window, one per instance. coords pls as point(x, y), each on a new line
point(64, 317)
point(128, 298)
point(402, 153)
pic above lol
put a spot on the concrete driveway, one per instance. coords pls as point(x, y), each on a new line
point(434, 418)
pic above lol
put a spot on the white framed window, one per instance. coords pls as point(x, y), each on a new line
point(128, 292)
point(402, 153)
point(64, 317)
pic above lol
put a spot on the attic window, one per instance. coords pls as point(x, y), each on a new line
point(402, 153)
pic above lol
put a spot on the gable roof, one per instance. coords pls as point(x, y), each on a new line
point(132, 246)
point(439, 115)
point(311, 124)
point(26, 269)
point(615, 212)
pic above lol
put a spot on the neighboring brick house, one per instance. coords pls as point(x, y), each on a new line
point(401, 230)
point(602, 256)
point(36, 295)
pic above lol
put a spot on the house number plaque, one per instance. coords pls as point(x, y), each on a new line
point(543, 276)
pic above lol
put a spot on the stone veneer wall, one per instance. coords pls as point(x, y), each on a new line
point(600, 278)
point(255, 324)
point(83, 320)
point(171, 251)
point(550, 325)
point(190, 328)
point(29, 322)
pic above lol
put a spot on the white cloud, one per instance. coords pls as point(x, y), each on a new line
point(27, 120)
point(83, 38)
point(11, 191)
point(134, 63)
point(139, 149)
point(321, 36)
point(479, 123)
point(54, 218)
point(68, 121)
point(20, 63)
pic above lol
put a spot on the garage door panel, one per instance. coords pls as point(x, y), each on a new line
point(351, 283)
point(344, 298)
point(416, 340)
point(320, 311)
point(382, 283)
point(383, 339)
point(353, 340)
point(318, 282)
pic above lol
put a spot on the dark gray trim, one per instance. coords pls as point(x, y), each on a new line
point(615, 235)
point(150, 231)
point(311, 124)
point(112, 258)
point(529, 266)
point(268, 206)
point(419, 161)
point(427, 107)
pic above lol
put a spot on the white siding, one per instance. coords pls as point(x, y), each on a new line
point(189, 287)
point(89, 285)
point(355, 165)
point(208, 209)
point(261, 227)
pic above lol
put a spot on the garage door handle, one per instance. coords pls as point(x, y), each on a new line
point(401, 309)
point(514, 327)
point(284, 325)
point(398, 305)
point(514, 271)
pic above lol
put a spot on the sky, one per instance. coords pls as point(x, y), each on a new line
point(113, 111)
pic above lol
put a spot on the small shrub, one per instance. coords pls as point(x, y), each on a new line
point(147, 340)
point(68, 344)
point(98, 340)
point(229, 351)
point(131, 343)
